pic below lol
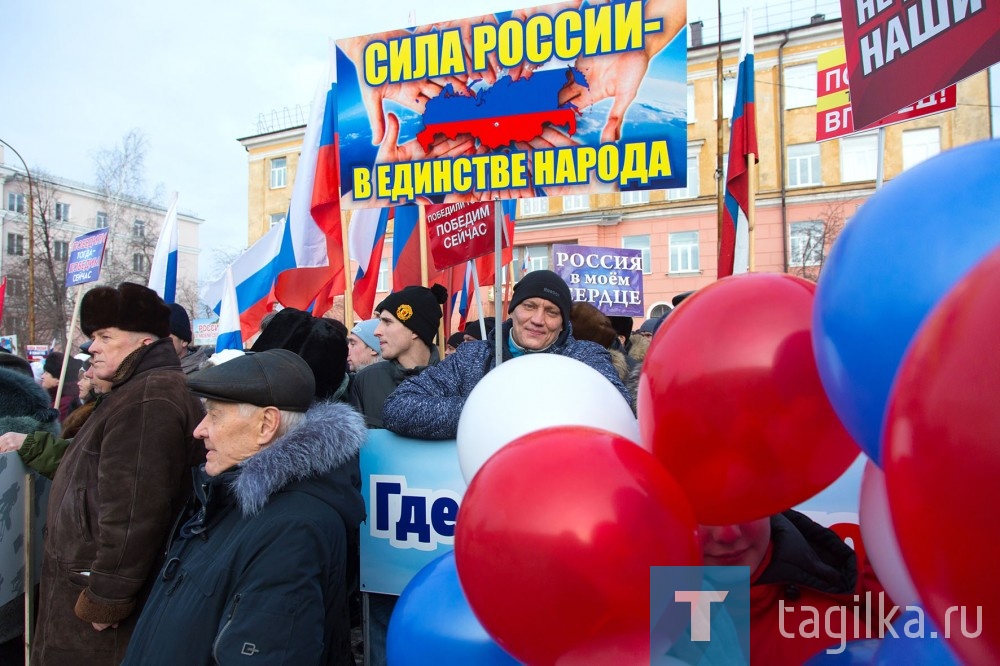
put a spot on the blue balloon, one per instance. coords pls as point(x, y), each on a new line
point(899, 255)
point(433, 624)
point(855, 653)
point(927, 649)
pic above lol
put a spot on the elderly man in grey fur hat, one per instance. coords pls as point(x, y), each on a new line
point(118, 483)
point(256, 568)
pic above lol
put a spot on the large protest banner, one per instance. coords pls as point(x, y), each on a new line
point(899, 52)
point(545, 101)
point(834, 115)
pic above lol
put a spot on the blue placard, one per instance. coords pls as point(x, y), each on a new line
point(412, 490)
point(609, 278)
point(86, 253)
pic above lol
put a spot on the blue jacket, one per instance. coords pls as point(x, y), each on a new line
point(257, 567)
point(428, 406)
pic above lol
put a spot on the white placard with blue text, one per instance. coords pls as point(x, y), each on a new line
point(412, 490)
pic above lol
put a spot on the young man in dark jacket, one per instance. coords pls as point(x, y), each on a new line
point(256, 568)
point(408, 322)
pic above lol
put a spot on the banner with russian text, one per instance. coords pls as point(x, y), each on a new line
point(86, 254)
point(462, 231)
point(608, 278)
point(412, 490)
point(834, 116)
point(900, 52)
point(545, 101)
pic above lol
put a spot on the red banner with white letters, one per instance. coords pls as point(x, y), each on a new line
point(900, 52)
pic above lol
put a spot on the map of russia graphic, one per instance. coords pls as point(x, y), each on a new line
point(507, 112)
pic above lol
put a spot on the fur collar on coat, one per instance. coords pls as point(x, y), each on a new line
point(331, 434)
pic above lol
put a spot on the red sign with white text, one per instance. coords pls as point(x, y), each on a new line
point(900, 52)
point(460, 231)
point(834, 117)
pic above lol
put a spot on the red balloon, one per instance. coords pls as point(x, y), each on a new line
point(555, 538)
point(942, 461)
point(731, 400)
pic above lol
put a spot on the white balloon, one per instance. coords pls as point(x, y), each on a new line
point(879, 538)
point(533, 392)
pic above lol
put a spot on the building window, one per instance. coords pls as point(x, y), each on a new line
point(858, 157)
point(805, 243)
point(684, 252)
point(15, 202)
point(102, 220)
point(276, 219)
point(800, 86)
point(62, 212)
point(15, 244)
point(920, 144)
point(803, 165)
point(693, 187)
point(532, 258)
point(384, 275)
point(139, 263)
point(60, 250)
point(634, 197)
point(640, 243)
point(279, 172)
point(576, 202)
point(139, 229)
point(659, 310)
point(15, 287)
point(690, 103)
point(535, 206)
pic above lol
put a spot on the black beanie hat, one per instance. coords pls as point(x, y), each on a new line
point(417, 308)
point(180, 323)
point(130, 307)
point(543, 284)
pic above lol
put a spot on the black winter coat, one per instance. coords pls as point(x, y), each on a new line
point(257, 565)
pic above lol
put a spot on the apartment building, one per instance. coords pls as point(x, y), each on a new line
point(62, 210)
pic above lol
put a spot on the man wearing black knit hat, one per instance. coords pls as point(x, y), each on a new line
point(428, 406)
point(408, 322)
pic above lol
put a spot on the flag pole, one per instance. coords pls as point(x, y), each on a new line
point(348, 296)
point(422, 230)
point(69, 336)
point(479, 299)
point(498, 226)
point(720, 193)
point(751, 206)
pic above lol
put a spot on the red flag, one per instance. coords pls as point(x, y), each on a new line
point(3, 290)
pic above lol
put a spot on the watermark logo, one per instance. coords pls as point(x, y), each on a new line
point(699, 615)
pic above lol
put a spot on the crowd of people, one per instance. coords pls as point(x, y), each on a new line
point(208, 509)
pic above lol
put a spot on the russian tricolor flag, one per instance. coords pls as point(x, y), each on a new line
point(253, 275)
point(734, 248)
point(366, 238)
point(406, 247)
point(163, 271)
point(314, 212)
point(230, 336)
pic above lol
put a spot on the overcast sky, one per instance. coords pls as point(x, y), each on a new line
point(194, 76)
